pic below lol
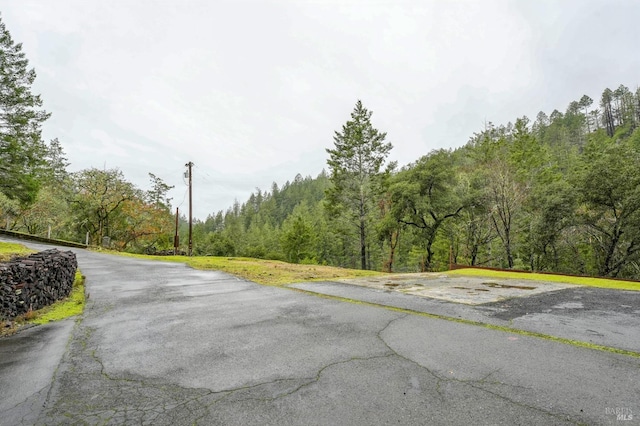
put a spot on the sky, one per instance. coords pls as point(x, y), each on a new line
point(252, 92)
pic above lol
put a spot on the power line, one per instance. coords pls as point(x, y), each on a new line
point(184, 196)
point(202, 172)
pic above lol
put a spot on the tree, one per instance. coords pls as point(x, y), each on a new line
point(476, 219)
point(388, 231)
point(297, 236)
point(9, 210)
point(504, 163)
point(506, 194)
point(627, 106)
point(55, 172)
point(387, 225)
point(609, 189)
point(140, 225)
point(157, 195)
point(540, 125)
point(608, 119)
point(574, 123)
point(22, 151)
point(359, 154)
point(551, 210)
point(48, 209)
point(98, 195)
point(585, 103)
point(636, 105)
point(424, 197)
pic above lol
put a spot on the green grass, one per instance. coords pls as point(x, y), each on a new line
point(68, 307)
point(585, 281)
point(267, 272)
point(273, 272)
point(10, 250)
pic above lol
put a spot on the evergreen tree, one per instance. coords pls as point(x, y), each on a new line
point(359, 154)
point(608, 119)
point(297, 236)
point(585, 103)
point(157, 195)
point(22, 151)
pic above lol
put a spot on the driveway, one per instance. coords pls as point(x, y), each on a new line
point(163, 344)
point(599, 316)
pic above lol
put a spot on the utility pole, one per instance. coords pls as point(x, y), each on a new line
point(189, 166)
point(176, 237)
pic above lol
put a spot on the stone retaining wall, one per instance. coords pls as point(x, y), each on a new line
point(35, 281)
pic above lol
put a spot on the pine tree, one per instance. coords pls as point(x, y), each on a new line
point(608, 118)
point(359, 154)
point(585, 103)
point(22, 151)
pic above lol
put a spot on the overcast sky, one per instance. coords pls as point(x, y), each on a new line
point(252, 91)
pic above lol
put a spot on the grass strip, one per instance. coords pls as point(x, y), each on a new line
point(70, 306)
point(261, 271)
point(278, 273)
point(11, 250)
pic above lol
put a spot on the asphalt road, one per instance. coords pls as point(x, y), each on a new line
point(163, 344)
point(598, 316)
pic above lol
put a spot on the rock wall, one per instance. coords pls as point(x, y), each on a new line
point(35, 281)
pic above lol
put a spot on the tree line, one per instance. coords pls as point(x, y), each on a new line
point(37, 193)
point(560, 193)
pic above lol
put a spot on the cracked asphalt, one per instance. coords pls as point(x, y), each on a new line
point(163, 344)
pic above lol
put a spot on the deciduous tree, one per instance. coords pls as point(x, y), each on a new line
point(609, 190)
point(97, 197)
point(424, 197)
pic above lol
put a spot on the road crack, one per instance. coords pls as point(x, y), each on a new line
point(85, 392)
point(478, 384)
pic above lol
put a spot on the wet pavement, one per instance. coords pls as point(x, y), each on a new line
point(28, 361)
point(588, 314)
point(163, 344)
point(458, 288)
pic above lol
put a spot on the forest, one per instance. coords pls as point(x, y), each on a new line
point(559, 193)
